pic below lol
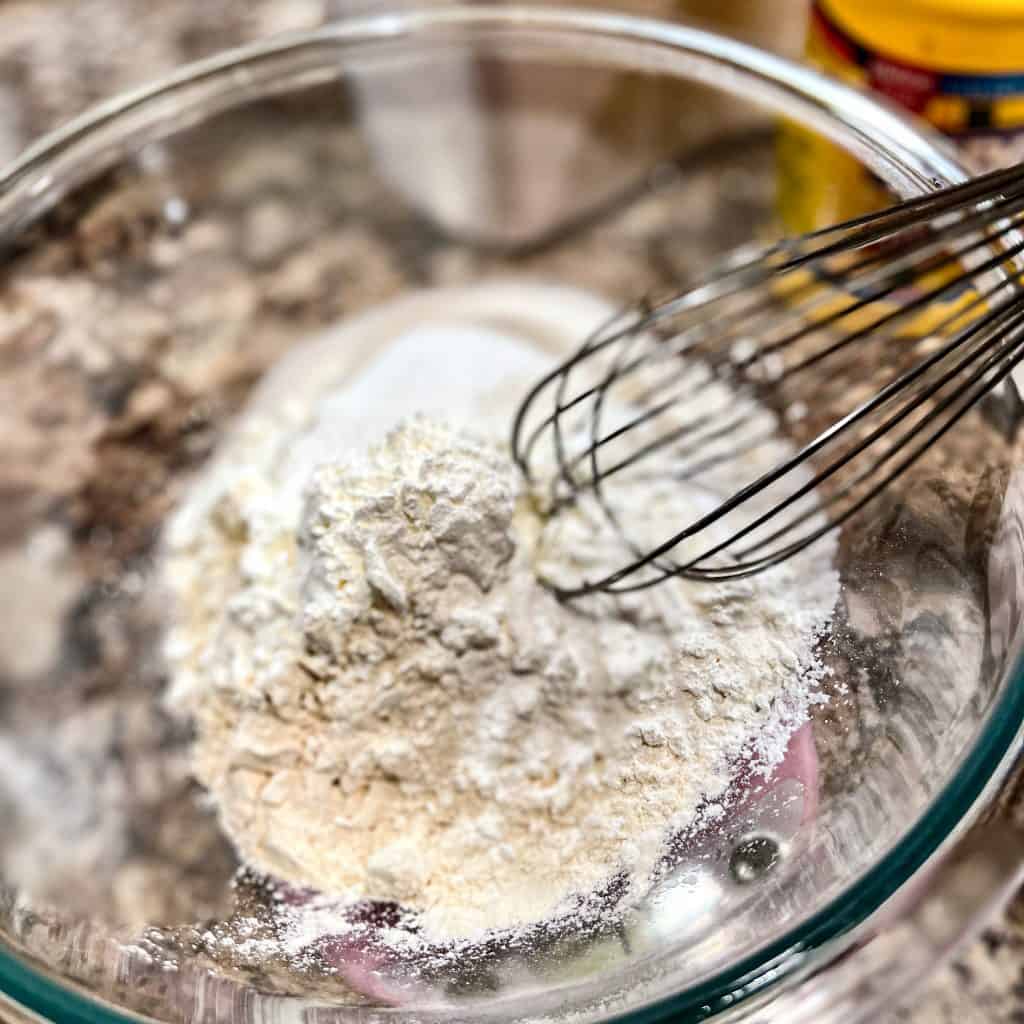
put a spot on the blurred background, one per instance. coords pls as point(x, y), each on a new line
point(58, 57)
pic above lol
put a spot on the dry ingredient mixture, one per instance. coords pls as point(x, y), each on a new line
point(388, 704)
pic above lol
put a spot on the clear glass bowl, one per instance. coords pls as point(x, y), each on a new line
point(162, 251)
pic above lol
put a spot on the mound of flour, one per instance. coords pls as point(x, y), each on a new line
point(388, 704)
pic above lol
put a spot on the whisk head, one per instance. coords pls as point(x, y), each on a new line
point(786, 390)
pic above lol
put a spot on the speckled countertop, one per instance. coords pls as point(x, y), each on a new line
point(57, 58)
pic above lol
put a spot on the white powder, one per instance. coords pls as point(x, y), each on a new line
point(389, 705)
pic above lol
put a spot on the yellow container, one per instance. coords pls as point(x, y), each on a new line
point(959, 64)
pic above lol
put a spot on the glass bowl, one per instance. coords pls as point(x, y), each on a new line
point(162, 251)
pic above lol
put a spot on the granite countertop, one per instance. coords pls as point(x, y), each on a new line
point(47, 75)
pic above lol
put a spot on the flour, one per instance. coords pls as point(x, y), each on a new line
point(388, 703)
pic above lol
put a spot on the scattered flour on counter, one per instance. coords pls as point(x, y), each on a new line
point(388, 703)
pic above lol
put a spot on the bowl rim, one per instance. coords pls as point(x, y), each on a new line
point(910, 157)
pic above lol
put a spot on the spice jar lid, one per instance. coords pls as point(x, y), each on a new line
point(972, 36)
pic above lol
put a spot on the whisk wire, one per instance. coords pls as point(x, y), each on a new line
point(926, 294)
point(740, 568)
point(653, 411)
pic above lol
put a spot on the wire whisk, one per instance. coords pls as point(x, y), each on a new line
point(862, 343)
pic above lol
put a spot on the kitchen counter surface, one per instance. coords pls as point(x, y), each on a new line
point(47, 75)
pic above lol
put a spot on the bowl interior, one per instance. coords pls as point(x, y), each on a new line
point(159, 260)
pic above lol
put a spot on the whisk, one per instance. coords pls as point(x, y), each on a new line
point(894, 324)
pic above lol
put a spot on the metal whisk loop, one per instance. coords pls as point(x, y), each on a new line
point(897, 323)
